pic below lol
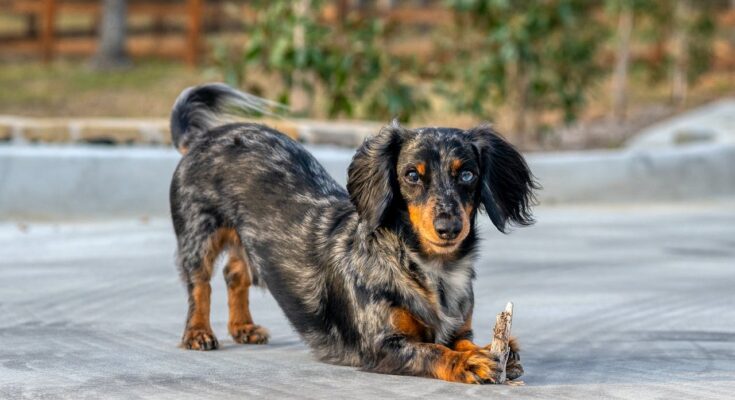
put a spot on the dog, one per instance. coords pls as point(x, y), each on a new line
point(377, 276)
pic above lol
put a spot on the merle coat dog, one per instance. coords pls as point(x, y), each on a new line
point(377, 276)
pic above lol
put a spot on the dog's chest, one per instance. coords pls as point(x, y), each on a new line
point(451, 285)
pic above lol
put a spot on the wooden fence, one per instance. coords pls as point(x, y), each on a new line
point(44, 36)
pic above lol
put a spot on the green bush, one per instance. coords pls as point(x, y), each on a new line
point(347, 62)
point(532, 57)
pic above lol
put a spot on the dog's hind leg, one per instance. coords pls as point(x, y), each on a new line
point(238, 277)
point(198, 252)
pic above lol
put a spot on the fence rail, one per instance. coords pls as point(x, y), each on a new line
point(44, 36)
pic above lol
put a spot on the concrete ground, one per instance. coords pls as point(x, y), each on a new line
point(611, 302)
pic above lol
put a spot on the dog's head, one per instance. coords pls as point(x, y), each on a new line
point(435, 179)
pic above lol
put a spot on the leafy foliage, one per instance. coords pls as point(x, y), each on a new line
point(535, 58)
point(551, 43)
point(656, 26)
point(345, 61)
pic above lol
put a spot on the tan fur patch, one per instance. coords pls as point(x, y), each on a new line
point(198, 326)
point(465, 344)
point(238, 292)
point(238, 277)
point(466, 367)
point(220, 239)
point(422, 219)
point(465, 216)
point(405, 323)
point(200, 297)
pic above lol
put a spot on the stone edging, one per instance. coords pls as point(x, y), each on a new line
point(156, 131)
point(79, 182)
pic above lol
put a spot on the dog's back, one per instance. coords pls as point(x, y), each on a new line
point(254, 192)
point(242, 174)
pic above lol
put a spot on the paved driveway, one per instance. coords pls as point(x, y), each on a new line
point(610, 303)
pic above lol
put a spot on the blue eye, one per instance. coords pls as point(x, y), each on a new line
point(412, 176)
point(466, 176)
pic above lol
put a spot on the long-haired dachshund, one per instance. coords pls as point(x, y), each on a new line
point(377, 276)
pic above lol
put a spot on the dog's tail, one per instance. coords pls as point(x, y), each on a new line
point(201, 108)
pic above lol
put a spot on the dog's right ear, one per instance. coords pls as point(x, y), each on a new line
point(507, 184)
point(371, 177)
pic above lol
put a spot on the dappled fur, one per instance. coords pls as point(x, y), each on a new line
point(353, 274)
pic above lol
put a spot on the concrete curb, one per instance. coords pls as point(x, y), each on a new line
point(74, 130)
point(22, 130)
point(72, 182)
point(710, 123)
point(697, 172)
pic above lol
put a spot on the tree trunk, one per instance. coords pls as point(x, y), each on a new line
point(111, 53)
point(680, 53)
point(343, 9)
point(299, 97)
point(517, 89)
point(622, 61)
point(385, 5)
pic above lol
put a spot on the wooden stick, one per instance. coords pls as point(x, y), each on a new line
point(501, 336)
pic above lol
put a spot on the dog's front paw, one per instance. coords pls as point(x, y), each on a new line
point(249, 334)
point(514, 369)
point(476, 366)
point(484, 367)
point(199, 339)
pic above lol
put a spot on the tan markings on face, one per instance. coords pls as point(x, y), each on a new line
point(422, 219)
point(467, 211)
point(421, 168)
point(455, 166)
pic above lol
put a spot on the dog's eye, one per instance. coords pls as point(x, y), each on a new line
point(412, 176)
point(466, 176)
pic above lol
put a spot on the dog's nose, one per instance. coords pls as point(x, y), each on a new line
point(447, 228)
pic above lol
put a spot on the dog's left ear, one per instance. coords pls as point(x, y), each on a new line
point(506, 182)
point(371, 177)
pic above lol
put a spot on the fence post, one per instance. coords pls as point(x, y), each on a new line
point(194, 30)
point(48, 22)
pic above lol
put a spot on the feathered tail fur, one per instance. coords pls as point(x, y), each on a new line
point(201, 108)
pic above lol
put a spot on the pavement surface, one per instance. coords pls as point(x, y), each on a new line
point(611, 302)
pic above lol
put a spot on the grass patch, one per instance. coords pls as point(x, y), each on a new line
point(68, 88)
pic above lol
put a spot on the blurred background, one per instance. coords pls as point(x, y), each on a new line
point(552, 74)
point(625, 110)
